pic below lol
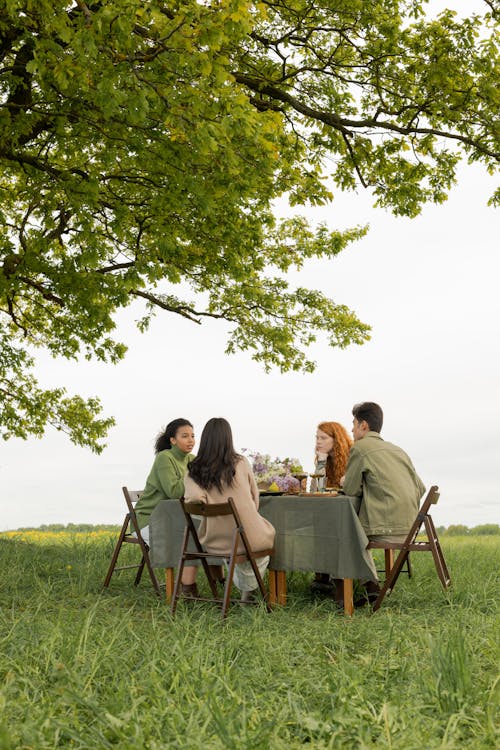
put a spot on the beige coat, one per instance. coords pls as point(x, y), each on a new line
point(216, 533)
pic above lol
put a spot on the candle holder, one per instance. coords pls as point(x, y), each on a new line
point(320, 481)
point(301, 477)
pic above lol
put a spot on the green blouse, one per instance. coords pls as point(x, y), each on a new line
point(165, 480)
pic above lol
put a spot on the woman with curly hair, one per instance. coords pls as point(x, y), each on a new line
point(332, 452)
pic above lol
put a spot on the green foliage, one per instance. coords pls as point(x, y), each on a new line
point(86, 669)
point(142, 146)
point(457, 530)
point(485, 529)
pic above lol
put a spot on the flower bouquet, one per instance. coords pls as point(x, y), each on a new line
point(274, 474)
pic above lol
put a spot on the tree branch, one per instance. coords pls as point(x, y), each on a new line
point(345, 125)
point(184, 310)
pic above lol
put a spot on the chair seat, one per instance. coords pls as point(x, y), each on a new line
point(238, 559)
point(384, 545)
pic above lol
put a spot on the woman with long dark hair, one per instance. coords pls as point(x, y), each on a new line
point(216, 473)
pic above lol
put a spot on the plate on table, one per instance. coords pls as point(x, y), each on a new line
point(320, 494)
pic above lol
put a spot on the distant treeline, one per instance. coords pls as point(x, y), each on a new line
point(72, 527)
point(460, 530)
point(455, 530)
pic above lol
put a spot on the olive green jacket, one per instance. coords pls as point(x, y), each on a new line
point(384, 476)
point(165, 480)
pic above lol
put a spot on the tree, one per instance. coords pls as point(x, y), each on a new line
point(143, 144)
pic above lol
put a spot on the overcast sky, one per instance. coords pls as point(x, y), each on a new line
point(429, 287)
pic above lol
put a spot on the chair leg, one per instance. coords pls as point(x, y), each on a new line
point(437, 553)
point(152, 574)
point(260, 582)
point(229, 578)
point(139, 572)
point(393, 577)
point(210, 579)
point(116, 552)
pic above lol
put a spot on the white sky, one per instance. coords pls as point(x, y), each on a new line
point(430, 289)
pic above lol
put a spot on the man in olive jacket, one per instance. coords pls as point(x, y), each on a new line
point(384, 477)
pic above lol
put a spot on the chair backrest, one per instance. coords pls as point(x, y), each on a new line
point(131, 498)
point(431, 499)
point(210, 510)
point(207, 510)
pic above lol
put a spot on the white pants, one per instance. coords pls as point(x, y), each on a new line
point(244, 577)
point(144, 534)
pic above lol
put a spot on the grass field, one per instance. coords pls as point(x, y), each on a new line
point(85, 669)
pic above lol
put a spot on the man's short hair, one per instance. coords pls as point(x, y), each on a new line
point(369, 412)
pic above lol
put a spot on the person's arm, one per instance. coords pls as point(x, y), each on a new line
point(254, 490)
point(420, 485)
point(171, 482)
point(319, 468)
point(353, 480)
point(193, 491)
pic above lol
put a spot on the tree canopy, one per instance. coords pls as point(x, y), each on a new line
point(143, 144)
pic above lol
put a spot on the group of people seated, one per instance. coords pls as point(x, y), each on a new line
point(369, 467)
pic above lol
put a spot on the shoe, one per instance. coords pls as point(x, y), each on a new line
point(367, 597)
point(190, 590)
point(322, 587)
point(248, 597)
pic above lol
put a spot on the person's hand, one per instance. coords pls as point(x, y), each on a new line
point(321, 456)
point(341, 481)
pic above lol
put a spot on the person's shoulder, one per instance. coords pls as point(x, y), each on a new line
point(164, 457)
point(368, 442)
point(242, 464)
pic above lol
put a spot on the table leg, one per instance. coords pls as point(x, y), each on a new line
point(281, 586)
point(348, 597)
point(273, 585)
point(169, 583)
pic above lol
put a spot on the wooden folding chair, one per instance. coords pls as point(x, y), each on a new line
point(131, 498)
point(389, 548)
point(207, 510)
point(411, 544)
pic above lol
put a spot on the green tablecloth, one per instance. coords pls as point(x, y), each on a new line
point(312, 534)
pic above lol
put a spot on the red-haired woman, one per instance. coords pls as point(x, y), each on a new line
point(332, 451)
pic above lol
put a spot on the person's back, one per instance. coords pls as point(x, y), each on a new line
point(216, 533)
point(383, 475)
point(216, 472)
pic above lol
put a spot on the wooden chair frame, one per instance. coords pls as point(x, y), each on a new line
point(125, 537)
point(412, 545)
point(212, 510)
point(389, 548)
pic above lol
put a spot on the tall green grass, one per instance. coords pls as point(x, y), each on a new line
point(84, 669)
